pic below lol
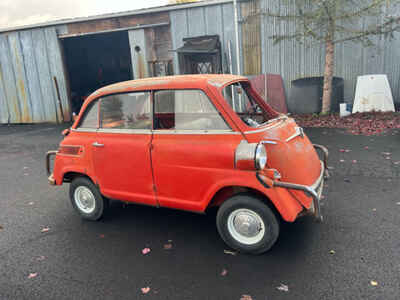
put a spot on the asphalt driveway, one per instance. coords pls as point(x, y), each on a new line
point(48, 252)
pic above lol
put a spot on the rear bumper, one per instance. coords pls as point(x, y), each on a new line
point(315, 190)
point(50, 178)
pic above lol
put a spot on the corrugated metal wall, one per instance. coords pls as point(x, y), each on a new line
point(289, 58)
point(29, 61)
point(293, 60)
point(207, 20)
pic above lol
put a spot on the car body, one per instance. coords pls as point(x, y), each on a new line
point(192, 142)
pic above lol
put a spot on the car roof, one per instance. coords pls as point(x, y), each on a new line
point(170, 82)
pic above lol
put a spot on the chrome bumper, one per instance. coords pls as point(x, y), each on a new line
point(314, 190)
point(50, 178)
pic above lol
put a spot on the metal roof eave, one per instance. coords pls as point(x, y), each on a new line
point(116, 15)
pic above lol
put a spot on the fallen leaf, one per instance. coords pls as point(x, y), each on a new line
point(246, 297)
point(102, 236)
point(224, 272)
point(145, 290)
point(283, 288)
point(167, 246)
point(146, 250)
point(32, 275)
point(374, 283)
point(46, 229)
point(40, 258)
point(229, 252)
point(332, 252)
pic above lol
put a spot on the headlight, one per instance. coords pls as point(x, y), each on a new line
point(260, 157)
point(250, 156)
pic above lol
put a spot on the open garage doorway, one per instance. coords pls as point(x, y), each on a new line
point(93, 61)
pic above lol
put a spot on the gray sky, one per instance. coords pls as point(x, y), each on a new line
point(23, 12)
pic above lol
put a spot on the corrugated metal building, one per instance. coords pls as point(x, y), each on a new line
point(47, 69)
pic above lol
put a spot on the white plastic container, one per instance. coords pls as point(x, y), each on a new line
point(343, 110)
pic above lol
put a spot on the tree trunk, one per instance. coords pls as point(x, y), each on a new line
point(328, 76)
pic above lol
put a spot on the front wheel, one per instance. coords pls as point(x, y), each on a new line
point(86, 199)
point(247, 225)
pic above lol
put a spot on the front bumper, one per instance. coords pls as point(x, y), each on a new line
point(314, 190)
point(50, 178)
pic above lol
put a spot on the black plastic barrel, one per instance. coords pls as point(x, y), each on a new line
point(306, 95)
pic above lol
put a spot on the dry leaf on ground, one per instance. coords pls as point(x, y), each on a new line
point(283, 288)
point(229, 252)
point(32, 275)
point(374, 283)
point(146, 250)
point(46, 229)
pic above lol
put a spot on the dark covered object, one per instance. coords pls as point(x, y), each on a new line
point(200, 55)
point(201, 44)
point(306, 95)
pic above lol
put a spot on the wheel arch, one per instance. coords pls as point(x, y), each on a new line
point(226, 192)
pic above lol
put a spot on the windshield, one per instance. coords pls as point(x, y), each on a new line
point(244, 105)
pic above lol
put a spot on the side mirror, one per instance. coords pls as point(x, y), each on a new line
point(65, 132)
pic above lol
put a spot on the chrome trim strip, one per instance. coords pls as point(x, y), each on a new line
point(206, 132)
point(299, 132)
point(84, 130)
point(269, 142)
point(128, 131)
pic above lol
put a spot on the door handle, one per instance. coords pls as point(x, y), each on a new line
point(96, 144)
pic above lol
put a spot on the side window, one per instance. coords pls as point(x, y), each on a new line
point(186, 110)
point(90, 118)
point(126, 111)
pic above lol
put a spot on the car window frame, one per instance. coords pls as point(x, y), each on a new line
point(192, 131)
point(87, 110)
point(129, 130)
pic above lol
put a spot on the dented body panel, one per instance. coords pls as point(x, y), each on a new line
point(195, 169)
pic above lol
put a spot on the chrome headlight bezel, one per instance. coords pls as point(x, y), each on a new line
point(261, 157)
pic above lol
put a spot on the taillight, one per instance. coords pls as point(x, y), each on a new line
point(70, 150)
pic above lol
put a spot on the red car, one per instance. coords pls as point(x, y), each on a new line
point(192, 142)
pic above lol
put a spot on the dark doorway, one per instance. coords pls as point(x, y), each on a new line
point(93, 61)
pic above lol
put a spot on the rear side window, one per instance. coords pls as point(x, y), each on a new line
point(90, 118)
point(126, 111)
point(186, 110)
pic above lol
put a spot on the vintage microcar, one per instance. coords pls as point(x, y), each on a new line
point(192, 142)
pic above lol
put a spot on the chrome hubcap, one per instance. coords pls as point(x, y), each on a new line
point(246, 226)
point(84, 199)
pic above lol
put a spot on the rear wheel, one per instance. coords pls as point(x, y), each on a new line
point(247, 224)
point(86, 199)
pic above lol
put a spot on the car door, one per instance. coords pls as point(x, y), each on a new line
point(122, 148)
point(190, 145)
